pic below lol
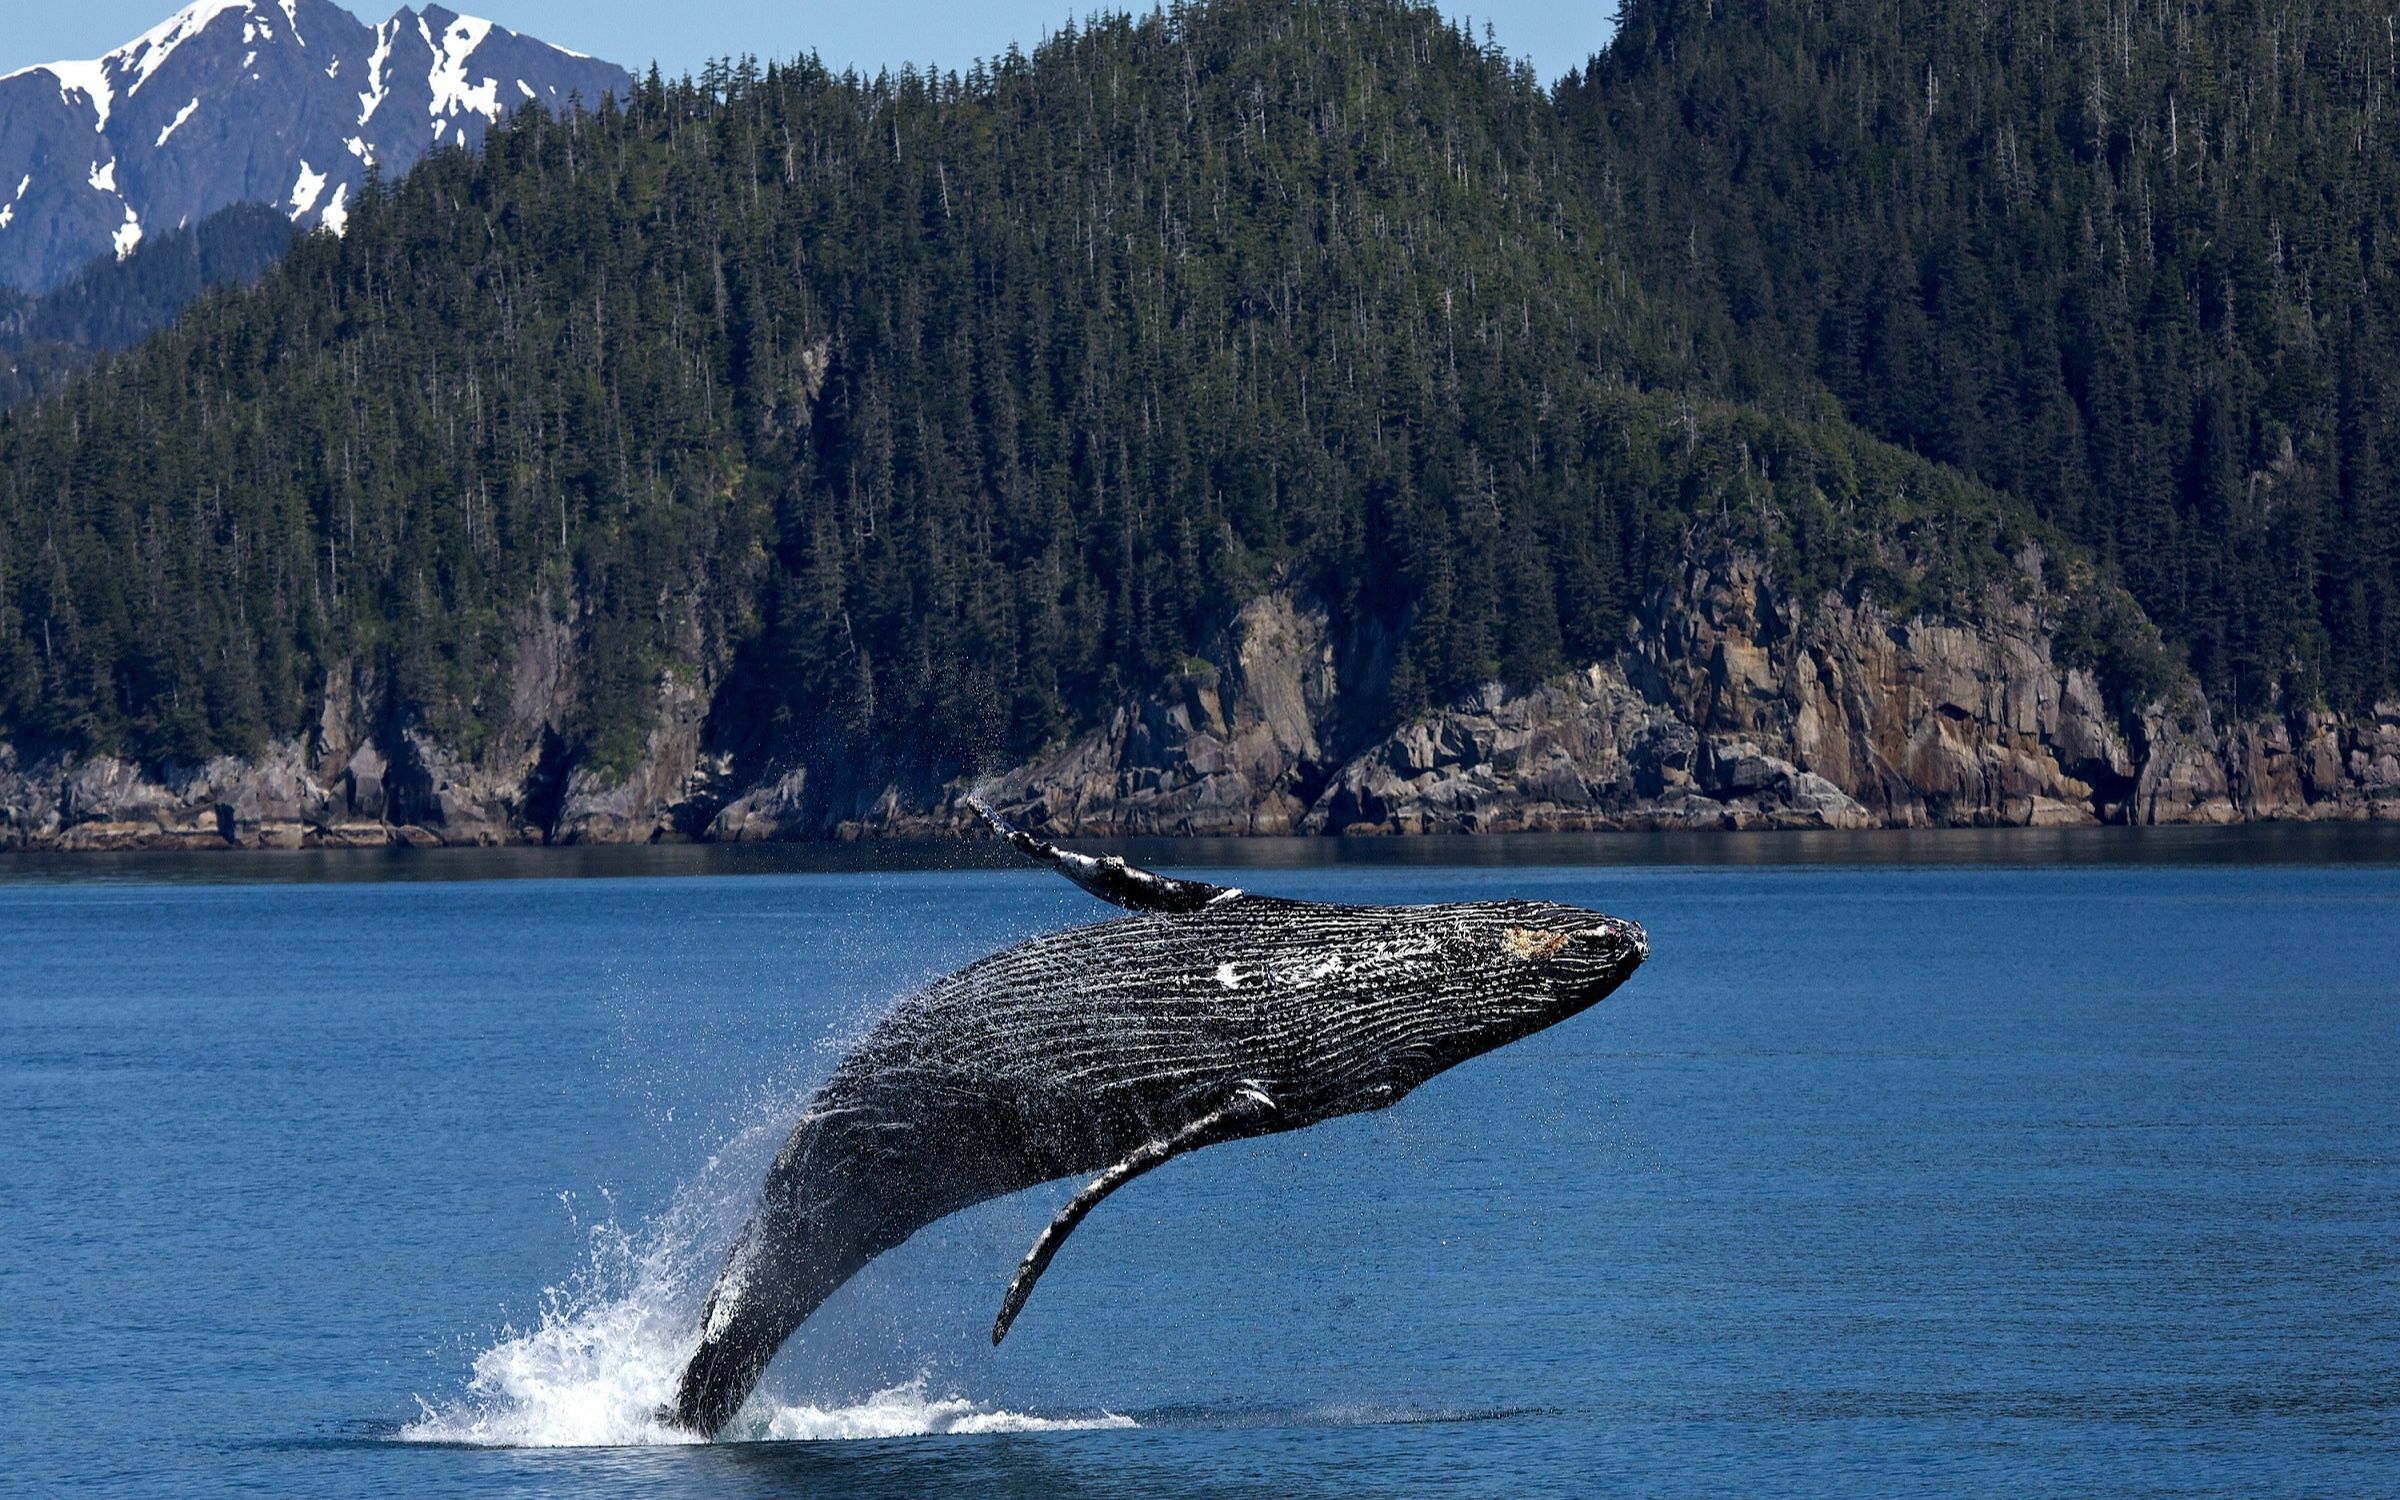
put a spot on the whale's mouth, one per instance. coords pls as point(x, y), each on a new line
point(1631, 934)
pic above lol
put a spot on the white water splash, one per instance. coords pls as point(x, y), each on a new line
point(611, 1344)
point(903, 1411)
point(604, 1358)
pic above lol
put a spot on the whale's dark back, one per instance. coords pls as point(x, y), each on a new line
point(1127, 1020)
point(1063, 1054)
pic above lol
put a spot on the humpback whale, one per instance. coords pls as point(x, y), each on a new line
point(1206, 1015)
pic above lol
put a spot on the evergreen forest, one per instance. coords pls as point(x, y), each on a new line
point(2131, 263)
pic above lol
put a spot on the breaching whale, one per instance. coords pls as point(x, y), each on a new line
point(1208, 1015)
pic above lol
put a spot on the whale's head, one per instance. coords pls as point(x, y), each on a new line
point(1575, 957)
point(1498, 972)
point(1531, 964)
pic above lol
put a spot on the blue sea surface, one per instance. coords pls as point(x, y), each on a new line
point(1903, 1167)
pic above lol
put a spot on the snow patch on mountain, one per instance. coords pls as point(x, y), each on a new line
point(452, 92)
point(176, 124)
point(306, 190)
point(378, 89)
point(344, 102)
point(89, 79)
point(337, 213)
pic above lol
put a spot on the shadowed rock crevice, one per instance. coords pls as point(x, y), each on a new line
point(546, 787)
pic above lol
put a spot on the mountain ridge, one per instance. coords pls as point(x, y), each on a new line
point(285, 102)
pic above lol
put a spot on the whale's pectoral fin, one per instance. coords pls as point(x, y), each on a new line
point(1243, 1116)
point(1111, 879)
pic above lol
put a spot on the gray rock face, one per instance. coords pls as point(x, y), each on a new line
point(660, 797)
point(1732, 705)
point(765, 814)
point(282, 102)
point(104, 803)
point(1235, 747)
point(1581, 754)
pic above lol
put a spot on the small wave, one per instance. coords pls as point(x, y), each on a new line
point(906, 1411)
point(1235, 1416)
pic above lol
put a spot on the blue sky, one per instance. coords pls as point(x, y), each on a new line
point(1556, 34)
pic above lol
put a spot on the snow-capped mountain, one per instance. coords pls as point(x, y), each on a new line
point(285, 102)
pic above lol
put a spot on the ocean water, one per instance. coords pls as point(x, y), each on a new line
point(1955, 1165)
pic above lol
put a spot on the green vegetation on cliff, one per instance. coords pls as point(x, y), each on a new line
point(935, 411)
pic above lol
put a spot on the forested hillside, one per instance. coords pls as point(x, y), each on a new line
point(946, 408)
point(114, 304)
point(2132, 263)
point(1266, 415)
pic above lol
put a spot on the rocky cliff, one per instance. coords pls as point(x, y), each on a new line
point(1733, 705)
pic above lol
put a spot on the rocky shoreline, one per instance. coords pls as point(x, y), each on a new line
point(1733, 705)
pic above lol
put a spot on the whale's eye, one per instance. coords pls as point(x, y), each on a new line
point(1530, 945)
